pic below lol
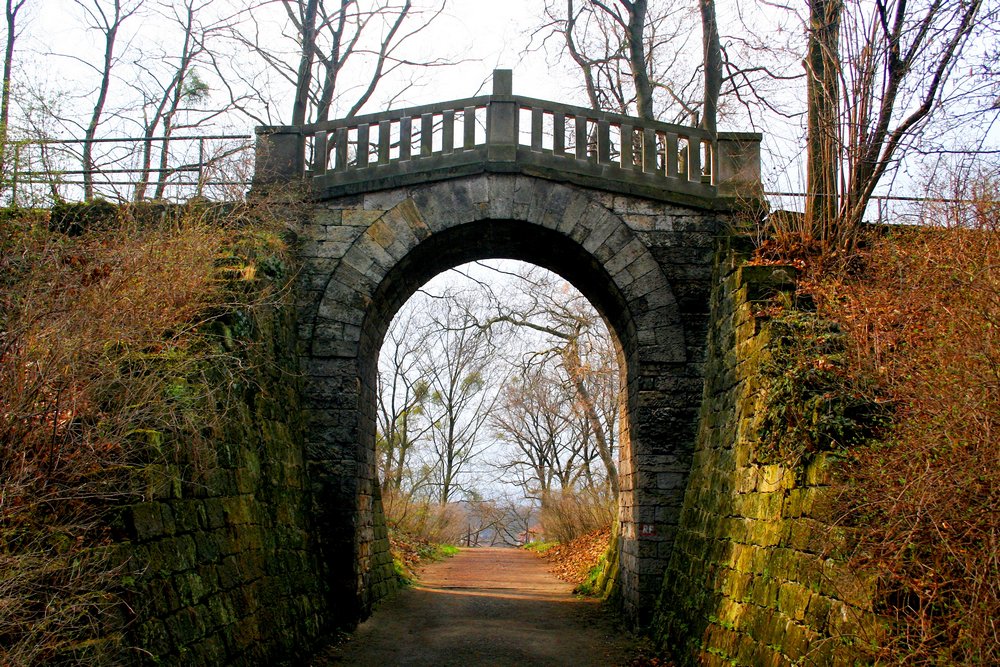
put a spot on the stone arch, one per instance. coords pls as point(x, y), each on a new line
point(386, 245)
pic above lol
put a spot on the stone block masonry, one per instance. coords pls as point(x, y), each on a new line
point(755, 578)
point(645, 264)
point(223, 547)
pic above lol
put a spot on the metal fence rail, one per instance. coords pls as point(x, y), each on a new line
point(39, 172)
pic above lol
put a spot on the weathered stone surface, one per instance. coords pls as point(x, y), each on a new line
point(750, 580)
point(282, 535)
point(415, 232)
point(227, 566)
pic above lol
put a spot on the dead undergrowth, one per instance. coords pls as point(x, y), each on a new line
point(573, 561)
point(921, 308)
point(105, 353)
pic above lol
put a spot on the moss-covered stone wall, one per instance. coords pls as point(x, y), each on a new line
point(221, 551)
point(756, 576)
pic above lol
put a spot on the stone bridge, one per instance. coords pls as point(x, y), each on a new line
point(627, 210)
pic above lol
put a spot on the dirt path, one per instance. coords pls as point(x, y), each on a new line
point(486, 607)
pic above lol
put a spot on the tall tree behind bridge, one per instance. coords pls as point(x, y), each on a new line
point(573, 335)
point(461, 374)
point(174, 95)
point(632, 59)
point(897, 62)
point(402, 394)
point(12, 8)
point(877, 73)
point(344, 50)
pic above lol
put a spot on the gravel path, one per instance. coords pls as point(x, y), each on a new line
point(486, 607)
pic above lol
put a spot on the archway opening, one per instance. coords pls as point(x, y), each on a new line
point(439, 252)
point(499, 410)
point(370, 255)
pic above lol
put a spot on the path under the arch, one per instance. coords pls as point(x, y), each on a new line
point(487, 607)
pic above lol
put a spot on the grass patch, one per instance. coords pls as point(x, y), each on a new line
point(539, 546)
point(589, 585)
point(410, 552)
point(447, 551)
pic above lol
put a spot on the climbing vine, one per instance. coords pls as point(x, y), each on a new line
point(810, 403)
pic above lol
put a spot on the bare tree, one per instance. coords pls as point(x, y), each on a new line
point(306, 25)
point(458, 369)
point(877, 74)
point(897, 59)
point(534, 417)
point(344, 50)
point(551, 438)
point(181, 85)
point(106, 18)
point(12, 8)
point(574, 331)
point(497, 521)
point(712, 60)
point(401, 397)
point(822, 65)
point(634, 57)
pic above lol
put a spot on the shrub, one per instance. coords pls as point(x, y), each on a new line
point(422, 518)
point(812, 402)
point(566, 515)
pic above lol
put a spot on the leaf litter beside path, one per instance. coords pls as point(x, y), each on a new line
point(573, 561)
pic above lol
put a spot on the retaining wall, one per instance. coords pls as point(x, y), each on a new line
point(222, 546)
point(757, 576)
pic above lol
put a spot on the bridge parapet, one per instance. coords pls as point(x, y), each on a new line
point(507, 133)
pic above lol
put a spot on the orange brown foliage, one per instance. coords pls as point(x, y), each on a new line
point(924, 321)
point(573, 560)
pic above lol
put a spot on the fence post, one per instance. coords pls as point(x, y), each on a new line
point(501, 119)
point(201, 168)
point(13, 175)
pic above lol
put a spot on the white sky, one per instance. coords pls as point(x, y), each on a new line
point(485, 33)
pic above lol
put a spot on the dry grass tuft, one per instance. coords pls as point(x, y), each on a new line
point(568, 514)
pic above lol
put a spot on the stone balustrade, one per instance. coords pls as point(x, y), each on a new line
point(507, 133)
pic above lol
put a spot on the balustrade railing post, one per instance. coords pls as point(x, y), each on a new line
point(279, 156)
point(738, 162)
point(501, 119)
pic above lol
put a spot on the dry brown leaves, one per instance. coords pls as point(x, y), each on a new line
point(408, 550)
point(572, 561)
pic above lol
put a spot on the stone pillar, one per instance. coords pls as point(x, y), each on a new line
point(501, 123)
point(279, 156)
point(738, 165)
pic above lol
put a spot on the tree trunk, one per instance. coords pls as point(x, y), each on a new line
point(571, 357)
point(8, 65)
point(110, 30)
point(823, 118)
point(303, 81)
point(713, 65)
point(638, 58)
